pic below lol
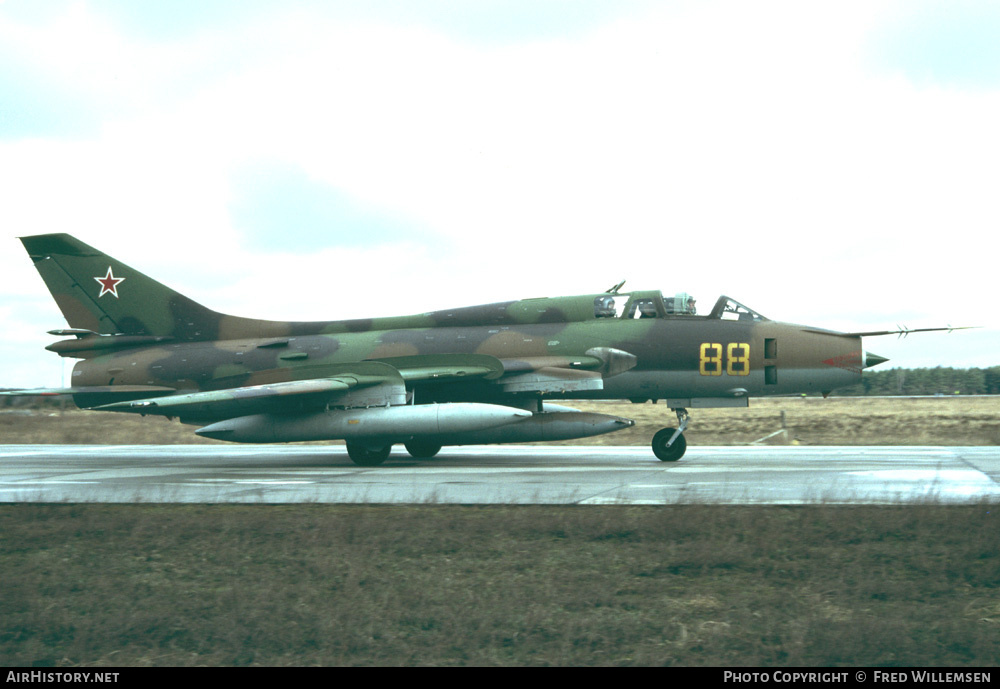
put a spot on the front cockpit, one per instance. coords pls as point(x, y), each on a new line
point(727, 309)
point(652, 304)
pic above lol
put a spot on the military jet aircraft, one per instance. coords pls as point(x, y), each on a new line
point(471, 375)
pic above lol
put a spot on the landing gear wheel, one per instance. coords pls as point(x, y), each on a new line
point(665, 450)
point(670, 453)
point(363, 456)
point(420, 449)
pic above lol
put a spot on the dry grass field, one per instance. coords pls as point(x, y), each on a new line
point(808, 421)
point(713, 585)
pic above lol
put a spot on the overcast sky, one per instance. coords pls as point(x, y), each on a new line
point(834, 164)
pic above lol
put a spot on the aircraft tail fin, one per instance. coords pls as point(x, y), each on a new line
point(99, 293)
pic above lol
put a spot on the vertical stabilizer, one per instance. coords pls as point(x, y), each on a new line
point(97, 292)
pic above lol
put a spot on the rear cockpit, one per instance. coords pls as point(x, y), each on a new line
point(647, 304)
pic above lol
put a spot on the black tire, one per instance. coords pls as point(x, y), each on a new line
point(672, 453)
point(365, 457)
point(422, 449)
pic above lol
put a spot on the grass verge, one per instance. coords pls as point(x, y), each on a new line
point(451, 585)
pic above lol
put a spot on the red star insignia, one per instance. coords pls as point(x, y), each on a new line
point(109, 284)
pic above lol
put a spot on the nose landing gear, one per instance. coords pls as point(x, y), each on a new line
point(669, 444)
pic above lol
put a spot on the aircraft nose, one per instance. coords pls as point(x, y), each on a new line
point(873, 360)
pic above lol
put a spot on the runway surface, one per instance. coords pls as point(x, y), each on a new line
point(498, 475)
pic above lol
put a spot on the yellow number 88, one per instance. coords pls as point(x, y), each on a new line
point(710, 363)
point(738, 359)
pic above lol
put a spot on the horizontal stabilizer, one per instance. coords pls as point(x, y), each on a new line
point(95, 395)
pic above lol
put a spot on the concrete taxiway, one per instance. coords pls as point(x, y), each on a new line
point(590, 475)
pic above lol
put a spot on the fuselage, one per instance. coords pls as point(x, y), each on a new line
point(676, 357)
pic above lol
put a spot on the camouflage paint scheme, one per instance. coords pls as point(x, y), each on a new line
point(144, 348)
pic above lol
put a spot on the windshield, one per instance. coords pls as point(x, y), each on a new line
point(731, 310)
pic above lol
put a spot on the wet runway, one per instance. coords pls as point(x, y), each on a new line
point(498, 475)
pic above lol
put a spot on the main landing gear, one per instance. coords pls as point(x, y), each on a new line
point(669, 443)
point(365, 456)
point(422, 449)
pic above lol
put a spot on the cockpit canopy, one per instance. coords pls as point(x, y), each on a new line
point(731, 310)
point(652, 304)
